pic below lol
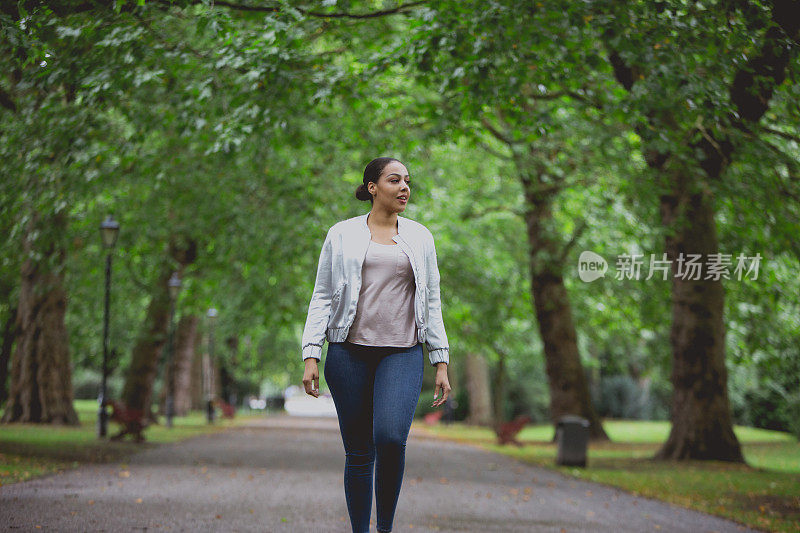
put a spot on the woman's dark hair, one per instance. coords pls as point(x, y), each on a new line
point(372, 173)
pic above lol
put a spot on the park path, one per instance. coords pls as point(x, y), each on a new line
point(283, 473)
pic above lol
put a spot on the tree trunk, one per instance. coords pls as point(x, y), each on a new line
point(41, 376)
point(180, 367)
point(476, 373)
point(227, 370)
point(702, 427)
point(9, 335)
point(498, 389)
point(138, 389)
point(197, 383)
point(569, 391)
point(187, 342)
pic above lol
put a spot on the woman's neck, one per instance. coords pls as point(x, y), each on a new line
point(381, 219)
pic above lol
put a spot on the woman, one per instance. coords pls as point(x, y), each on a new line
point(376, 300)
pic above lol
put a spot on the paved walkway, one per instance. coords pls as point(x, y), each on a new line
point(285, 474)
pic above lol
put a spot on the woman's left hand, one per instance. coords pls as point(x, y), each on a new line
point(442, 383)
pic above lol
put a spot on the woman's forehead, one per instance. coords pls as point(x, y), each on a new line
point(395, 168)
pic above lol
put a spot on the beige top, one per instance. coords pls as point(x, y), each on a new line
point(385, 311)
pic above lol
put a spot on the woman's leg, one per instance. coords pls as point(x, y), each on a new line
point(349, 376)
point(398, 382)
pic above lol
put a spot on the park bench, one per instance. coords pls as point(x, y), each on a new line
point(507, 431)
point(131, 421)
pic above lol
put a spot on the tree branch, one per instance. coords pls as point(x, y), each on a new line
point(494, 152)
point(496, 132)
point(784, 134)
point(276, 8)
point(571, 243)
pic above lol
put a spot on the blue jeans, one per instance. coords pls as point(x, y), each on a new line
point(375, 390)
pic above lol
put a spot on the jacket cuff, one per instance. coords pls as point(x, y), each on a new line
point(439, 355)
point(312, 350)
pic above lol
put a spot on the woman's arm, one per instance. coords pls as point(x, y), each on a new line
point(438, 347)
point(319, 308)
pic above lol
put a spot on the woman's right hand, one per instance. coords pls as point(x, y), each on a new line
point(311, 377)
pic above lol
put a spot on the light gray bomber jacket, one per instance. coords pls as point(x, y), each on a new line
point(332, 309)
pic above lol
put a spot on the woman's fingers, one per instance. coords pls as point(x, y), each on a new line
point(444, 386)
point(311, 383)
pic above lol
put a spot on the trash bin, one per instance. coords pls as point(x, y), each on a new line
point(572, 436)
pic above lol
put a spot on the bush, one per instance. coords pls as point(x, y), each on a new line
point(621, 396)
point(86, 384)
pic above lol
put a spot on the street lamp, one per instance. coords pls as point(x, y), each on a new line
point(174, 285)
point(212, 318)
point(109, 230)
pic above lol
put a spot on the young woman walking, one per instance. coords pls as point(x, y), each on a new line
point(376, 301)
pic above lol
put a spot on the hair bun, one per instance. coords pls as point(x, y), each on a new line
point(362, 193)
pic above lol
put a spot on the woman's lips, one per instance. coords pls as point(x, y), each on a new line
point(402, 200)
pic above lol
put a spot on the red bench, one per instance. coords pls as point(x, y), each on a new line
point(228, 410)
point(507, 431)
point(433, 417)
point(131, 421)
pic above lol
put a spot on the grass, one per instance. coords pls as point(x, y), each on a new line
point(31, 450)
point(764, 493)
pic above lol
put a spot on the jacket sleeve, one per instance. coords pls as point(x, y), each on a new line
point(319, 309)
point(436, 339)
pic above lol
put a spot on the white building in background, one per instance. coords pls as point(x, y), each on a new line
point(298, 403)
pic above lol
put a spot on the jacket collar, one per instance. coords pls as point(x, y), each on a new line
point(402, 226)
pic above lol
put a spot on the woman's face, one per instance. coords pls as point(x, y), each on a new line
point(393, 189)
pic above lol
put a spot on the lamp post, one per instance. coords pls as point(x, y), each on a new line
point(212, 317)
point(109, 230)
point(174, 285)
